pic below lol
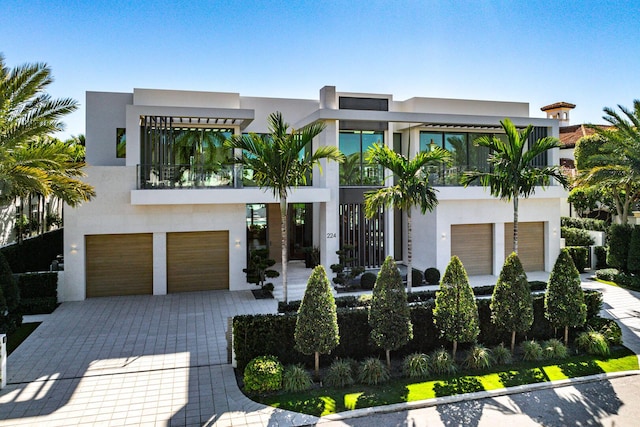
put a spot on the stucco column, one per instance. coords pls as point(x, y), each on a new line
point(328, 218)
point(159, 263)
point(498, 247)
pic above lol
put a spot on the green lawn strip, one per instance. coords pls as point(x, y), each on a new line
point(324, 401)
point(15, 338)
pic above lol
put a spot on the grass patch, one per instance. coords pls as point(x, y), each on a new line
point(325, 401)
point(15, 339)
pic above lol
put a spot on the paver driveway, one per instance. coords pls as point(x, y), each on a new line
point(144, 360)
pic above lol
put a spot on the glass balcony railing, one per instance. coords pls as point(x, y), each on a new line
point(450, 176)
point(185, 176)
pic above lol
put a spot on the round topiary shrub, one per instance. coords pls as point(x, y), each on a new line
point(372, 371)
point(368, 280)
point(416, 277)
point(416, 365)
point(262, 374)
point(339, 374)
point(432, 276)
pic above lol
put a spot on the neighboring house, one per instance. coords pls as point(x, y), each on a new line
point(172, 215)
point(37, 213)
point(569, 136)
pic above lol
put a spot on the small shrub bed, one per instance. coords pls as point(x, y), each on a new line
point(624, 280)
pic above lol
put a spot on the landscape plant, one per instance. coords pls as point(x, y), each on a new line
point(372, 371)
point(278, 161)
point(478, 357)
point(564, 300)
point(619, 239)
point(532, 351)
point(416, 365)
point(316, 329)
point(501, 355)
point(339, 374)
point(593, 342)
point(511, 302)
point(259, 268)
point(10, 316)
point(513, 173)
point(456, 313)
point(389, 315)
point(296, 378)
point(432, 276)
point(554, 349)
point(633, 259)
point(263, 374)
point(410, 187)
point(441, 362)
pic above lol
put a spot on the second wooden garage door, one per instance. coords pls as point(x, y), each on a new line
point(473, 244)
point(197, 261)
point(530, 244)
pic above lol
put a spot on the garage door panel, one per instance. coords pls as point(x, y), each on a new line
point(197, 261)
point(473, 244)
point(119, 264)
point(530, 244)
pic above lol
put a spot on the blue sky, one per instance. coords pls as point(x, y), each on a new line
point(584, 52)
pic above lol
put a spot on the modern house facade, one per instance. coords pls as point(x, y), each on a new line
point(172, 214)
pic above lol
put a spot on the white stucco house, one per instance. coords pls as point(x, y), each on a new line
point(171, 215)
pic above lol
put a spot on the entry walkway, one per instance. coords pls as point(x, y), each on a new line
point(162, 360)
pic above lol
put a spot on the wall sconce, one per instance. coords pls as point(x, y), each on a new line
point(237, 243)
point(444, 236)
point(74, 248)
point(555, 232)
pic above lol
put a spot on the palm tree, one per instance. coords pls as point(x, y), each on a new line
point(30, 162)
point(278, 163)
point(616, 166)
point(411, 186)
point(513, 174)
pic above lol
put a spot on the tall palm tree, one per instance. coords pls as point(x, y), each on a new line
point(278, 163)
point(29, 162)
point(513, 174)
point(411, 187)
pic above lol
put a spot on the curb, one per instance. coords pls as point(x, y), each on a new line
point(397, 407)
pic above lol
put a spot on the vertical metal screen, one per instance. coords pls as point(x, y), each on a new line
point(365, 235)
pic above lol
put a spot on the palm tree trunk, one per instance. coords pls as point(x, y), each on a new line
point(284, 241)
point(409, 252)
point(515, 225)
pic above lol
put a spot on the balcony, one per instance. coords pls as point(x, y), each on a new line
point(185, 176)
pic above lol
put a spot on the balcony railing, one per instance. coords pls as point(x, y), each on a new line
point(450, 176)
point(185, 176)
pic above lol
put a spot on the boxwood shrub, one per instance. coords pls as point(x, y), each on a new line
point(584, 223)
point(38, 292)
point(576, 236)
point(580, 256)
point(36, 253)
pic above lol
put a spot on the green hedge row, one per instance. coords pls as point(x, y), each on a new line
point(576, 236)
point(272, 334)
point(38, 292)
point(34, 254)
point(584, 223)
point(351, 301)
point(580, 256)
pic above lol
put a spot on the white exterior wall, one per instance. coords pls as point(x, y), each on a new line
point(112, 213)
point(104, 115)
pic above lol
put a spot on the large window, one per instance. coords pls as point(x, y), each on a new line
point(356, 170)
point(121, 143)
point(465, 155)
point(175, 155)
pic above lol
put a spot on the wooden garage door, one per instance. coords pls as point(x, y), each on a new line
point(119, 264)
point(530, 244)
point(473, 244)
point(197, 261)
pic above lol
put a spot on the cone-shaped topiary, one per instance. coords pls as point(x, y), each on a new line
point(10, 317)
point(389, 315)
point(633, 259)
point(317, 323)
point(456, 313)
point(564, 300)
point(511, 303)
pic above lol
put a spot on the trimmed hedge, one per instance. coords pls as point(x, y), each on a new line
point(34, 254)
point(38, 292)
point(580, 256)
point(255, 335)
point(619, 240)
point(584, 223)
point(601, 257)
point(576, 236)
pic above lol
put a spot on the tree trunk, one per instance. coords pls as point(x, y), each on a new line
point(409, 252)
point(513, 341)
point(515, 225)
point(455, 348)
point(317, 365)
point(284, 242)
point(388, 358)
point(566, 335)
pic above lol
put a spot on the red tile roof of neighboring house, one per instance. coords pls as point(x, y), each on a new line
point(569, 135)
point(558, 105)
